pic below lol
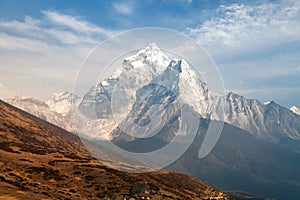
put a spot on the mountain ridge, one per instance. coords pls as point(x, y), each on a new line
point(269, 122)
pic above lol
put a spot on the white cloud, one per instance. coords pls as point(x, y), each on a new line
point(257, 44)
point(238, 24)
point(64, 29)
point(13, 43)
point(67, 37)
point(75, 23)
point(124, 8)
point(38, 58)
point(29, 24)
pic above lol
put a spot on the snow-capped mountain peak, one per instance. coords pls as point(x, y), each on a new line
point(152, 54)
point(150, 65)
point(62, 102)
point(295, 110)
point(151, 58)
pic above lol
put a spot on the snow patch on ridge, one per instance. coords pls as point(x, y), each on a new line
point(295, 110)
point(62, 102)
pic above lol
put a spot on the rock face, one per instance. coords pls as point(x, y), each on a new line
point(139, 188)
point(41, 161)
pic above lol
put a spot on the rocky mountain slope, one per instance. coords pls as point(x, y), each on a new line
point(41, 161)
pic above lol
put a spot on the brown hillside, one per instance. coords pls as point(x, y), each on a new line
point(41, 161)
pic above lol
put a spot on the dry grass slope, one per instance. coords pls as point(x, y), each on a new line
point(41, 161)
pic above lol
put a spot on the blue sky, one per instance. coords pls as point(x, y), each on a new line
point(255, 44)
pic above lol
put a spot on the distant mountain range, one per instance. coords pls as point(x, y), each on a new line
point(270, 122)
point(259, 146)
point(56, 109)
